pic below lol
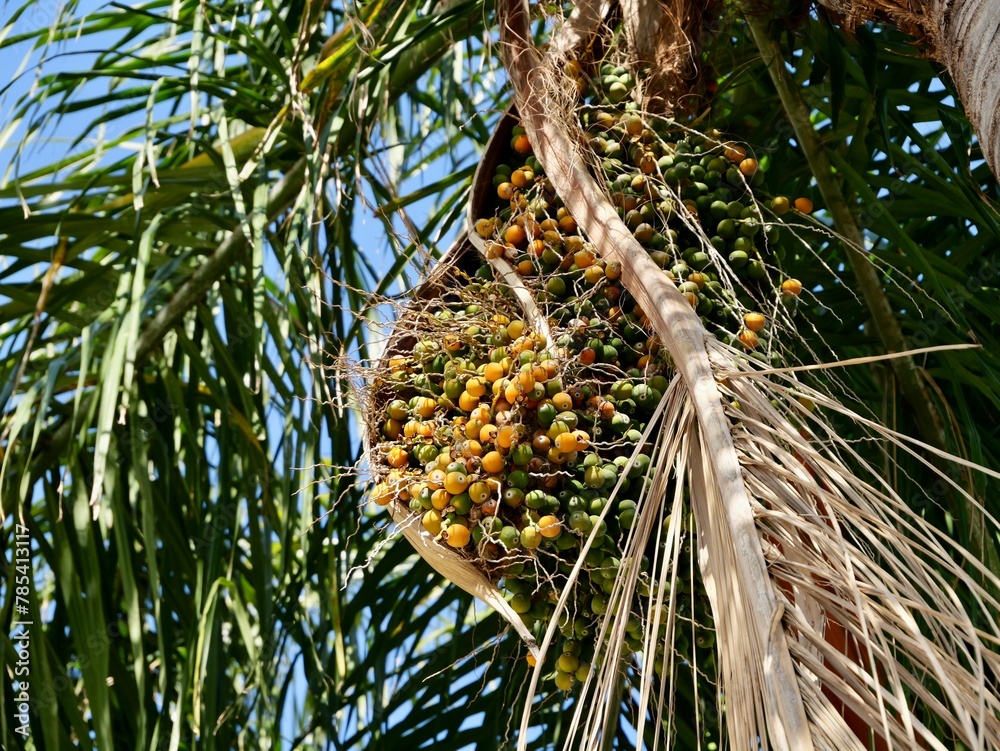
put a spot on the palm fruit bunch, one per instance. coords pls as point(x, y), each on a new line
point(512, 450)
point(513, 445)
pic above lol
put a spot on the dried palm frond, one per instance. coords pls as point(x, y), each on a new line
point(835, 607)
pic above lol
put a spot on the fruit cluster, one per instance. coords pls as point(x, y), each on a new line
point(512, 448)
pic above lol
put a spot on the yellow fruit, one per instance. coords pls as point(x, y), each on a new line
point(432, 522)
point(457, 535)
point(511, 393)
point(479, 492)
point(425, 406)
point(481, 413)
point(392, 428)
point(754, 321)
point(525, 381)
point(488, 434)
point(473, 430)
point(456, 482)
point(435, 479)
point(494, 372)
point(484, 227)
point(473, 448)
point(562, 401)
point(780, 205)
point(493, 463)
point(440, 499)
point(467, 402)
point(566, 442)
point(382, 494)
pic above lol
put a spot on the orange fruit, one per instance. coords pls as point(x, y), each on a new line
point(493, 463)
point(791, 287)
point(566, 442)
point(734, 153)
point(748, 167)
point(515, 235)
point(803, 205)
point(467, 402)
point(754, 321)
point(749, 339)
point(562, 401)
point(397, 457)
point(457, 535)
point(505, 436)
point(488, 434)
point(549, 526)
point(521, 144)
point(494, 371)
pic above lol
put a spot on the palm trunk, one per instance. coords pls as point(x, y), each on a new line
point(963, 36)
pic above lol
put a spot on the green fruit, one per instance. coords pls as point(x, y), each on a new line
point(521, 454)
point(567, 662)
point(519, 478)
point(397, 409)
point(462, 503)
point(565, 681)
point(556, 286)
point(593, 478)
point(546, 414)
point(617, 91)
point(738, 259)
point(520, 603)
point(579, 521)
point(510, 537)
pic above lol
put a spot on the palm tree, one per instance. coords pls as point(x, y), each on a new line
point(246, 190)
